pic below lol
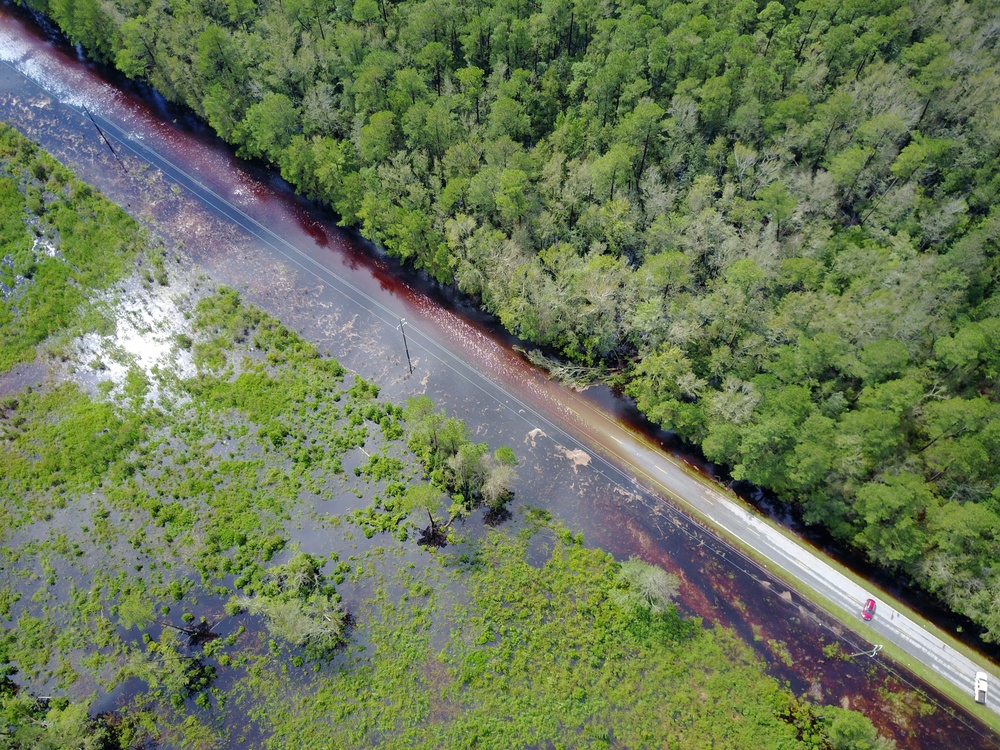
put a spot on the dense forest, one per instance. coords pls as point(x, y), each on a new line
point(772, 224)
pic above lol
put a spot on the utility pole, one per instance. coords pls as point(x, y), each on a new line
point(402, 323)
point(106, 141)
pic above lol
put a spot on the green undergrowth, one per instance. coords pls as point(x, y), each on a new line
point(135, 510)
point(59, 242)
point(484, 649)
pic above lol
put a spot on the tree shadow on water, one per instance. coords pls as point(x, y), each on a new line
point(497, 516)
point(433, 536)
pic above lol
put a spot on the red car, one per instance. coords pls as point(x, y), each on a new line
point(869, 610)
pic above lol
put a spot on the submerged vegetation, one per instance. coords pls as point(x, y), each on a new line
point(299, 607)
point(513, 654)
point(59, 243)
point(773, 224)
point(217, 550)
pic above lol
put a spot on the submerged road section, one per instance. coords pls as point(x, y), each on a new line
point(889, 625)
point(497, 375)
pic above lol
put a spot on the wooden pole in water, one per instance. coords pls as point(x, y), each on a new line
point(105, 139)
point(402, 323)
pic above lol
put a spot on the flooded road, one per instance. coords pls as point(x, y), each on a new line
point(245, 229)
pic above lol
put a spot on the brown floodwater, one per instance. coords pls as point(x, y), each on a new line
point(245, 228)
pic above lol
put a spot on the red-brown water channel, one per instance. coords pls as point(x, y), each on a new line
point(245, 228)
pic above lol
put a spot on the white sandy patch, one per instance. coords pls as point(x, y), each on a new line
point(577, 456)
point(532, 437)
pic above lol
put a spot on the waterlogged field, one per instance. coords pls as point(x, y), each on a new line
point(216, 536)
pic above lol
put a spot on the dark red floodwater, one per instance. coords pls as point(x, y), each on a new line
point(292, 259)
